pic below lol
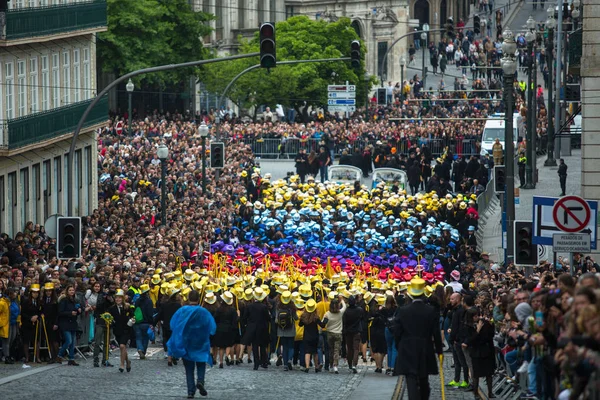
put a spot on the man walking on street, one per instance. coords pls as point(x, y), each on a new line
point(417, 332)
point(562, 175)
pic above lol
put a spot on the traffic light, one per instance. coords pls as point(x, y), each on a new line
point(476, 25)
point(355, 54)
point(68, 238)
point(381, 96)
point(526, 253)
point(450, 28)
point(217, 155)
point(499, 178)
point(267, 45)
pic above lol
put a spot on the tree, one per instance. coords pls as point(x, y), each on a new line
point(298, 38)
point(148, 33)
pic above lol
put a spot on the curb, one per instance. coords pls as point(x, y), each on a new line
point(27, 373)
point(513, 12)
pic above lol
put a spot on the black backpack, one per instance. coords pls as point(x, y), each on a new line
point(285, 319)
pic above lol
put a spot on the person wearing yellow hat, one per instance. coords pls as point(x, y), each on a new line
point(49, 302)
point(418, 332)
point(167, 309)
point(121, 327)
point(353, 318)
point(31, 310)
point(226, 318)
point(143, 320)
point(192, 327)
point(257, 318)
point(310, 340)
point(285, 315)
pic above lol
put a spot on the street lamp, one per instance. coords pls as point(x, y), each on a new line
point(550, 24)
point(129, 88)
point(425, 45)
point(203, 131)
point(402, 64)
point(576, 13)
point(509, 68)
point(530, 37)
point(163, 155)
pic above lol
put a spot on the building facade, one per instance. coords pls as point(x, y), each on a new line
point(47, 79)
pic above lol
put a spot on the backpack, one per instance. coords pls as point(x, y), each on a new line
point(139, 315)
point(285, 319)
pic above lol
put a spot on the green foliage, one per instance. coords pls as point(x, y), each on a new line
point(298, 38)
point(148, 33)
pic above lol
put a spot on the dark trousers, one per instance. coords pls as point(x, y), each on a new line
point(200, 369)
point(460, 360)
point(417, 387)
point(260, 354)
point(563, 184)
point(99, 342)
point(352, 346)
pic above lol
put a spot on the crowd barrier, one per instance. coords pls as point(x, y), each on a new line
point(287, 148)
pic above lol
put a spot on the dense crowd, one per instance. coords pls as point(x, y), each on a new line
point(331, 262)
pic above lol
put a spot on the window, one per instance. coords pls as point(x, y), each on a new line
point(67, 78)
point(43, 3)
point(87, 83)
point(12, 199)
point(20, 4)
point(2, 194)
point(90, 165)
point(382, 68)
point(76, 76)
point(1, 99)
point(36, 192)
point(31, 3)
point(289, 12)
point(45, 84)
point(22, 88)
point(33, 84)
point(55, 80)
point(57, 174)
point(9, 84)
point(24, 190)
point(66, 167)
point(47, 187)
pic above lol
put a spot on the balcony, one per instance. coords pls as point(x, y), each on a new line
point(35, 128)
point(25, 23)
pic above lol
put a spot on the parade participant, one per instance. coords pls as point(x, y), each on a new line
point(352, 325)
point(311, 323)
point(257, 330)
point(50, 319)
point(68, 310)
point(104, 302)
point(226, 319)
point(285, 315)
point(480, 344)
point(143, 320)
point(334, 323)
point(5, 325)
point(31, 310)
point(378, 315)
point(210, 303)
point(122, 315)
point(13, 320)
point(418, 333)
point(163, 319)
point(388, 312)
point(191, 326)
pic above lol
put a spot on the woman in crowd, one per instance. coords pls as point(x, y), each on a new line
point(5, 323)
point(352, 322)
point(285, 315)
point(31, 309)
point(257, 329)
point(209, 302)
point(91, 298)
point(226, 319)
point(334, 323)
point(163, 317)
point(123, 321)
point(387, 317)
point(310, 321)
point(68, 310)
point(50, 319)
point(480, 344)
point(377, 325)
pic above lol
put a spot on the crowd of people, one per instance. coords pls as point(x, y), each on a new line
point(296, 273)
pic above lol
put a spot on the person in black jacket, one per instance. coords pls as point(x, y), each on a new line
point(50, 319)
point(480, 344)
point(68, 310)
point(226, 319)
point(352, 321)
point(31, 310)
point(455, 340)
point(143, 320)
point(103, 303)
point(122, 314)
point(163, 318)
point(257, 328)
point(417, 329)
point(302, 168)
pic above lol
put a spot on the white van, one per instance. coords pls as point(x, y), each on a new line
point(495, 128)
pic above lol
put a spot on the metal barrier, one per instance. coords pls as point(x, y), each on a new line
point(485, 198)
point(289, 147)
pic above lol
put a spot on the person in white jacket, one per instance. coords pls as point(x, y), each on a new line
point(334, 326)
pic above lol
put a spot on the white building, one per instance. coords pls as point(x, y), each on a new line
point(47, 78)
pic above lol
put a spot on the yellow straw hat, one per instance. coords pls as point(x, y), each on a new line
point(417, 287)
point(286, 297)
point(35, 287)
point(311, 305)
point(210, 298)
point(227, 297)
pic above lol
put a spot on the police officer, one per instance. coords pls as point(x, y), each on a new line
point(562, 175)
point(522, 163)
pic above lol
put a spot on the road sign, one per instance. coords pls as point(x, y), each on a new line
point(119, 127)
point(341, 102)
point(571, 214)
point(341, 109)
point(341, 88)
point(341, 95)
point(544, 226)
point(571, 242)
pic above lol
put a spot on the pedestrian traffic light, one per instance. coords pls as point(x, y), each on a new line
point(526, 253)
point(450, 28)
point(499, 178)
point(381, 96)
point(355, 54)
point(267, 45)
point(476, 25)
point(68, 238)
point(217, 155)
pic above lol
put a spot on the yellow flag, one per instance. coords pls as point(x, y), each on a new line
point(329, 272)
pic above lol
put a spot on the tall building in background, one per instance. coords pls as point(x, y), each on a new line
point(47, 79)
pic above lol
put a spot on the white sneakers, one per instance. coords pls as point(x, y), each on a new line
point(523, 368)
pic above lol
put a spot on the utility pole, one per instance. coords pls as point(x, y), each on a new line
point(550, 24)
point(559, 33)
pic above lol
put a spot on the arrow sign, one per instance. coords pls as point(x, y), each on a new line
point(341, 88)
point(341, 95)
point(341, 102)
point(571, 214)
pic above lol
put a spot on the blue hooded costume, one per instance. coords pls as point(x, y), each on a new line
point(192, 327)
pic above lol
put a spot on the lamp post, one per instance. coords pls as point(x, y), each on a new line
point(203, 131)
point(163, 155)
point(367, 79)
point(424, 43)
point(402, 64)
point(509, 68)
point(550, 24)
point(129, 88)
point(531, 125)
